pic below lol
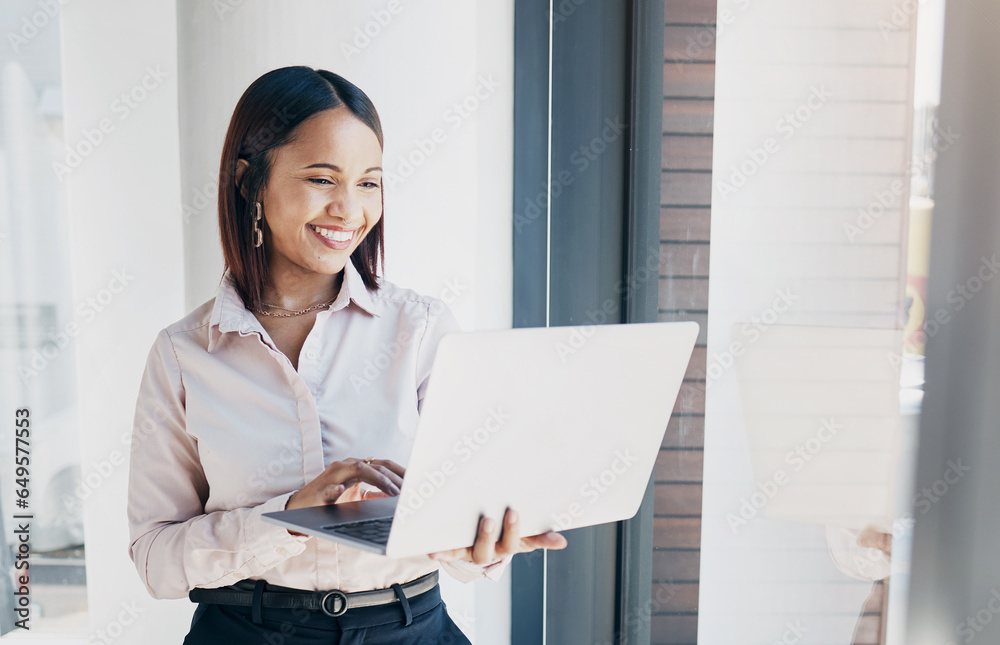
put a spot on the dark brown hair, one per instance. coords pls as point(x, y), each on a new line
point(266, 118)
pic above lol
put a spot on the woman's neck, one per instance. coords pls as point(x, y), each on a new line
point(297, 290)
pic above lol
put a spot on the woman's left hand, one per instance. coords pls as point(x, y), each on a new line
point(488, 548)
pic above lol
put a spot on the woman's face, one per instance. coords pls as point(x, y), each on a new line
point(324, 194)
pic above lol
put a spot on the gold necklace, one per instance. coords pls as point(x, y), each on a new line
point(294, 312)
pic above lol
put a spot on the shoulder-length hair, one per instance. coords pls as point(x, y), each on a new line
point(265, 118)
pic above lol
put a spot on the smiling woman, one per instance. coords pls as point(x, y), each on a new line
point(321, 201)
point(311, 207)
point(292, 120)
point(265, 368)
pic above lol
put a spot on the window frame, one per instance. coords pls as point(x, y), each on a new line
point(608, 62)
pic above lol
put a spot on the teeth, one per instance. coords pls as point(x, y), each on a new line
point(334, 236)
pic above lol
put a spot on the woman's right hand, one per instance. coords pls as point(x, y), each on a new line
point(384, 474)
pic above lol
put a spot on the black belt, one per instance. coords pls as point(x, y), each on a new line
point(332, 603)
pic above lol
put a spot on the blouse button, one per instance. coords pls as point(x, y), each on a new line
point(311, 356)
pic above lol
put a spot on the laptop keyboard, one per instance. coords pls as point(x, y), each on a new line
point(375, 531)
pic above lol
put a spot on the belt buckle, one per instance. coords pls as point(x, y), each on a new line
point(336, 593)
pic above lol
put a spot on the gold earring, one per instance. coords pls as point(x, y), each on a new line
point(258, 236)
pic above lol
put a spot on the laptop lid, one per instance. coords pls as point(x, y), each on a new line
point(563, 424)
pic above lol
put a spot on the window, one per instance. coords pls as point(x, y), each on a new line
point(38, 330)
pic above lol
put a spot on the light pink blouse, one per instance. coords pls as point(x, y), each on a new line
point(225, 430)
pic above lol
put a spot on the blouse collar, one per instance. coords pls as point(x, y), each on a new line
point(229, 314)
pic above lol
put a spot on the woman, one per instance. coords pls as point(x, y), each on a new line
point(260, 399)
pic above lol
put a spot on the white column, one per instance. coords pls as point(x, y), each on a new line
point(120, 77)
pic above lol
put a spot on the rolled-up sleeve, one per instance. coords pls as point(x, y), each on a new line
point(174, 543)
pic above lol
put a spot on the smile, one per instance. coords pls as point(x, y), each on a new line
point(334, 235)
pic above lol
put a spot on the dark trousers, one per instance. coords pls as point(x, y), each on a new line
point(382, 625)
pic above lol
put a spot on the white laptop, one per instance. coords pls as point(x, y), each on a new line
point(563, 424)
